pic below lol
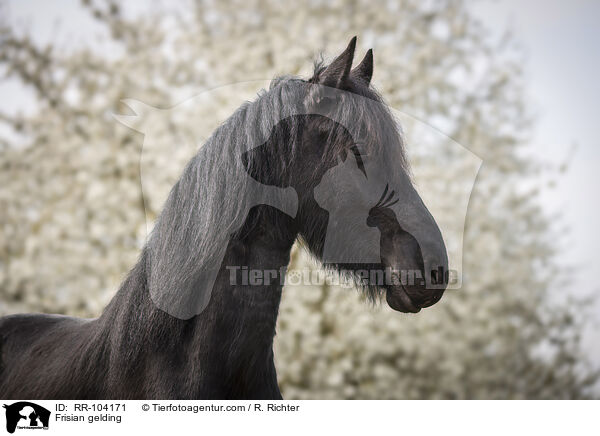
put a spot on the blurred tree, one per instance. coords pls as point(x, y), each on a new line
point(72, 220)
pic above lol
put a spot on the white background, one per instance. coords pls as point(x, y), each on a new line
point(343, 417)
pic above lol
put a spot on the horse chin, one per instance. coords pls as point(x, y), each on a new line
point(398, 299)
point(411, 300)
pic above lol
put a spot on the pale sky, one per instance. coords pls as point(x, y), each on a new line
point(562, 39)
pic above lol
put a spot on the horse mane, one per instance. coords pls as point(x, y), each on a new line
point(197, 215)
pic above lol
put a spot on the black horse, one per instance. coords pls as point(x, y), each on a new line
point(166, 333)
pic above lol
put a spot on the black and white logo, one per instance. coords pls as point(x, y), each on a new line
point(26, 415)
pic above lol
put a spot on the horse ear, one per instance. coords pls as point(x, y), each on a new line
point(338, 71)
point(364, 70)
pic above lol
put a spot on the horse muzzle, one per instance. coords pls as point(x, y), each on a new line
point(419, 273)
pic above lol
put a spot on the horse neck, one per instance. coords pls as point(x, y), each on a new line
point(233, 336)
point(247, 292)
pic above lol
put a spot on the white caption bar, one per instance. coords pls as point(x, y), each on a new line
point(300, 417)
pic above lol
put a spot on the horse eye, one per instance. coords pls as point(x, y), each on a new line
point(359, 159)
point(359, 151)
